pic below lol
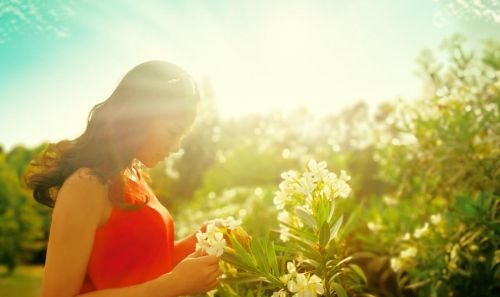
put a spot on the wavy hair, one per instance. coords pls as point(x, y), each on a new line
point(115, 130)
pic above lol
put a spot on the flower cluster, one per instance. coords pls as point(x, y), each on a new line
point(406, 257)
point(230, 223)
point(300, 284)
point(316, 177)
point(299, 191)
point(212, 241)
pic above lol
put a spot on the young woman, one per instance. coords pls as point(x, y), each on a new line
point(109, 235)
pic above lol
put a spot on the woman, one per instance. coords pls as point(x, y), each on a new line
point(109, 234)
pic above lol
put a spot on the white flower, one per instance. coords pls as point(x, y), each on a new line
point(287, 186)
point(342, 189)
point(201, 236)
point(421, 231)
point(280, 293)
point(337, 185)
point(344, 176)
point(436, 219)
point(216, 245)
point(284, 217)
point(396, 264)
point(279, 199)
point(374, 227)
point(408, 253)
point(285, 278)
point(316, 283)
point(289, 175)
point(407, 236)
point(328, 183)
point(212, 241)
point(318, 170)
point(390, 200)
point(326, 191)
point(290, 267)
point(211, 229)
point(232, 223)
point(305, 286)
point(294, 285)
point(329, 178)
point(217, 222)
point(302, 284)
point(284, 233)
point(306, 184)
point(229, 223)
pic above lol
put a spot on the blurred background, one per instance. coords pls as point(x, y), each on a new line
point(403, 95)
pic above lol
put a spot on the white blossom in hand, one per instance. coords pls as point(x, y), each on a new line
point(230, 223)
point(212, 241)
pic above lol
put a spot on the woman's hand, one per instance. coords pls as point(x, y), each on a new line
point(197, 273)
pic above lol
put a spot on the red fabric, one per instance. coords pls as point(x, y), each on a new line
point(134, 246)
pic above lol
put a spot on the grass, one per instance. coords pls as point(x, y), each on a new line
point(25, 282)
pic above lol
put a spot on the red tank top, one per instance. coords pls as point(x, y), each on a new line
point(134, 246)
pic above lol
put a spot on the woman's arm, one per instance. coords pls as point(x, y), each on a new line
point(186, 246)
point(80, 208)
point(183, 248)
point(152, 288)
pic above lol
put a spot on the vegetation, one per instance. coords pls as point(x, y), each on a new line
point(421, 182)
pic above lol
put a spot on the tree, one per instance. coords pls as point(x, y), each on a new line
point(21, 227)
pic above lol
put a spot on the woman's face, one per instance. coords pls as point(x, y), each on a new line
point(164, 137)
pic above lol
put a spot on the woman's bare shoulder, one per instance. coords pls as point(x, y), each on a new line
point(84, 191)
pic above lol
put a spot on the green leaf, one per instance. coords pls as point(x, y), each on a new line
point(305, 217)
point(336, 227)
point(359, 272)
point(273, 261)
point(311, 262)
point(243, 280)
point(242, 252)
point(332, 212)
point(233, 260)
point(343, 261)
point(260, 256)
point(418, 284)
point(306, 247)
point(301, 232)
point(351, 220)
point(322, 211)
point(306, 239)
point(339, 290)
point(324, 234)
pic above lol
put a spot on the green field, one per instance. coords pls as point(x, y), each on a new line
point(26, 282)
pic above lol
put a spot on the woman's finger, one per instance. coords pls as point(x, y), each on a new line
point(214, 274)
point(213, 284)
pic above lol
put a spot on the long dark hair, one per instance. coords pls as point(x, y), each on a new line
point(115, 129)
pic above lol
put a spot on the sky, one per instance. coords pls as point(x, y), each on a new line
point(60, 58)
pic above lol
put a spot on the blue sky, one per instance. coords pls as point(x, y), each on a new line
point(59, 58)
